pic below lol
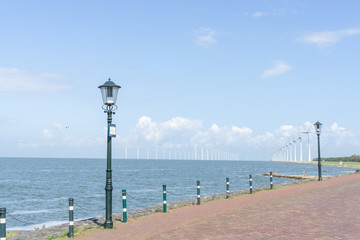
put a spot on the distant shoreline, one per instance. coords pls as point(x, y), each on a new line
point(334, 164)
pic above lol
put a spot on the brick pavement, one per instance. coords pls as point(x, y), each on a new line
point(317, 210)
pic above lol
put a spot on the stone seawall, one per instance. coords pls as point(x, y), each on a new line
point(55, 231)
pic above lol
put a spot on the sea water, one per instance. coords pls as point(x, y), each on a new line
point(35, 190)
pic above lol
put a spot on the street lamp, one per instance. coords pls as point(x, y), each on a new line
point(109, 91)
point(318, 131)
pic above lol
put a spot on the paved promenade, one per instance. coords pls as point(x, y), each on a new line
point(317, 210)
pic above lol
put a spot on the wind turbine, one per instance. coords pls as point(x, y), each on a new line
point(290, 151)
point(309, 154)
point(300, 141)
point(283, 158)
point(294, 150)
point(279, 154)
point(287, 152)
point(195, 151)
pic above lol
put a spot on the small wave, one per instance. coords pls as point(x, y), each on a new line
point(32, 227)
point(29, 212)
point(55, 199)
point(46, 225)
point(94, 196)
point(159, 169)
point(144, 190)
point(6, 180)
point(130, 170)
point(29, 200)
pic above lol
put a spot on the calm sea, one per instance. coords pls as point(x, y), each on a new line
point(35, 190)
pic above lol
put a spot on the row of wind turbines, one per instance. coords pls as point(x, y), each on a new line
point(169, 154)
point(288, 151)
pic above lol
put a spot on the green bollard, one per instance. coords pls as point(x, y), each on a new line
point(2, 223)
point(71, 218)
point(250, 183)
point(164, 198)
point(124, 206)
point(271, 180)
point(198, 192)
point(227, 188)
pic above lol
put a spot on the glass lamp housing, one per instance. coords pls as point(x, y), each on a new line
point(318, 126)
point(109, 91)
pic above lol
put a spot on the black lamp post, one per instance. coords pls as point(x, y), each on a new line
point(109, 92)
point(318, 131)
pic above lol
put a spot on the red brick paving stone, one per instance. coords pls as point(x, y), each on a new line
point(318, 210)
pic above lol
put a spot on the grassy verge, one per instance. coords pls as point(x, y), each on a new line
point(77, 232)
point(11, 234)
point(336, 164)
point(344, 164)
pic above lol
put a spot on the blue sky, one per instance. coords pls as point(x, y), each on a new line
point(242, 77)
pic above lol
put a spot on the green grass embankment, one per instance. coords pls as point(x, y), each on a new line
point(337, 164)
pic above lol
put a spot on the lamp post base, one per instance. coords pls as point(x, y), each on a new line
point(108, 224)
point(108, 213)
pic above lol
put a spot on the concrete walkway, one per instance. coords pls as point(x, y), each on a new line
point(317, 210)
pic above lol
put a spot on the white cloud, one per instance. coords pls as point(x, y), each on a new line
point(47, 133)
point(215, 128)
point(243, 130)
point(182, 135)
point(342, 136)
point(56, 135)
point(161, 133)
point(259, 140)
point(335, 128)
point(205, 37)
point(258, 14)
point(16, 80)
point(23, 144)
point(185, 133)
point(286, 130)
point(178, 123)
point(308, 125)
point(326, 38)
point(279, 69)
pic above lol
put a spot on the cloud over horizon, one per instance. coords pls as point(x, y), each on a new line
point(185, 136)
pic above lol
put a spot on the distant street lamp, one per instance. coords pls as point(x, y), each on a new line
point(318, 131)
point(109, 92)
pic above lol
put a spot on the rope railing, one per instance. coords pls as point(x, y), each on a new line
point(125, 194)
point(57, 214)
point(174, 194)
point(88, 209)
point(133, 198)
